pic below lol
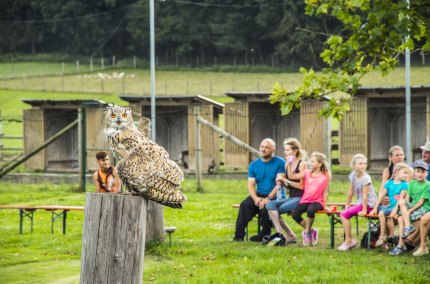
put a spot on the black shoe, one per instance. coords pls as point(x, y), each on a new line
point(238, 239)
point(256, 238)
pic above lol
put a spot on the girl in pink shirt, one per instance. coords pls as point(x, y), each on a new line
point(315, 183)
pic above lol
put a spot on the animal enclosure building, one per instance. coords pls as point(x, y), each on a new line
point(45, 118)
point(377, 120)
point(251, 118)
point(176, 126)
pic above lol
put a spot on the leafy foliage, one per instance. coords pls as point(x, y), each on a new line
point(374, 35)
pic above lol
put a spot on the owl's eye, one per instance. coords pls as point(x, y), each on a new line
point(112, 115)
point(124, 115)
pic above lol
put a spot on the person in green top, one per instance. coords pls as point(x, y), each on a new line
point(414, 205)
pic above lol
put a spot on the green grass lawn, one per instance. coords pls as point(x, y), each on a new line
point(201, 251)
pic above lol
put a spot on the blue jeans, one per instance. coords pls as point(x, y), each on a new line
point(283, 206)
point(385, 208)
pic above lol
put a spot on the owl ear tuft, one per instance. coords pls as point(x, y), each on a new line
point(109, 107)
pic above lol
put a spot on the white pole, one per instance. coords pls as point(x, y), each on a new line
point(409, 157)
point(152, 59)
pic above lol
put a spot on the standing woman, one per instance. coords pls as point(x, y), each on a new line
point(296, 164)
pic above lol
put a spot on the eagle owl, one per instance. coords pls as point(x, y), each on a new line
point(144, 167)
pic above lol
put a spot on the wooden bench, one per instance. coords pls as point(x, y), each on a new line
point(334, 218)
point(28, 211)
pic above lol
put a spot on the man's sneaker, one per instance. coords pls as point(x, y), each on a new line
point(407, 231)
point(274, 242)
point(398, 250)
point(238, 239)
point(421, 252)
point(307, 239)
point(314, 236)
point(277, 239)
point(256, 238)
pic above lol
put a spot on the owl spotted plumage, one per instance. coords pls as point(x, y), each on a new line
point(144, 167)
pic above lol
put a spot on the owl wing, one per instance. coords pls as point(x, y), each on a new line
point(152, 178)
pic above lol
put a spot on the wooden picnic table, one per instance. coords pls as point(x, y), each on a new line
point(28, 211)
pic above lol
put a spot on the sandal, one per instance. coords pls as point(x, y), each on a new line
point(380, 241)
point(291, 241)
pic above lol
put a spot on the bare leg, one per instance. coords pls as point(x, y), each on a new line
point(347, 228)
point(382, 225)
point(309, 223)
point(287, 228)
point(401, 221)
point(303, 224)
point(424, 228)
point(274, 216)
point(390, 226)
point(405, 212)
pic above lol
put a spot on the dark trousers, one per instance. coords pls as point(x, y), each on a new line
point(309, 208)
point(247, 211)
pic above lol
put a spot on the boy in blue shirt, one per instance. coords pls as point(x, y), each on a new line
point(414, 205)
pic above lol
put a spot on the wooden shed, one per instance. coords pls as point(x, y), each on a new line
point(47, 117)
point(251, 118)
point(175, 126)
point(377, 120)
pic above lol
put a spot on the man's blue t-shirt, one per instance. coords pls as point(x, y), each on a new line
point(265, 173)
point(394, 190)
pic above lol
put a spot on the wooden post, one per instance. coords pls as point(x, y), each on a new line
point(197, 150)
point(113, 243)
point(154, 222)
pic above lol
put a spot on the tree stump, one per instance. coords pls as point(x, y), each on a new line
point(154, 222)
point(113, 243)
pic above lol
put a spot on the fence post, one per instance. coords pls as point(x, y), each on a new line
point(134, 62)
point(77, 66)
point(82, 137)
point(113, 242)
point(91, 64)
point(102, 63)
point(113, 61)
point(197, 150)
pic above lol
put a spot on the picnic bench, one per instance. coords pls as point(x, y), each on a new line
point(28, 212)
point(334, 218)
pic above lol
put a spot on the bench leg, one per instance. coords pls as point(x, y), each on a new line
point(356, 223)
point(332, 231)
point(64, 221)
point(23, 214)
point(55, 216)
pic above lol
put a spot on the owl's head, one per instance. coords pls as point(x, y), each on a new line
point(118, 117)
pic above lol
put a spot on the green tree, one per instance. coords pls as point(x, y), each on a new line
point(374, 34)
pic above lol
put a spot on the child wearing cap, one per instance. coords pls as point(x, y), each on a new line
point(414, 205)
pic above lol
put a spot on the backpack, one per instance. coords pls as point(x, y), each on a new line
point(374, 235)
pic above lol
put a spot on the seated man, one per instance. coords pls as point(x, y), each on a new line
point(106, 178)
point(262, 174)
